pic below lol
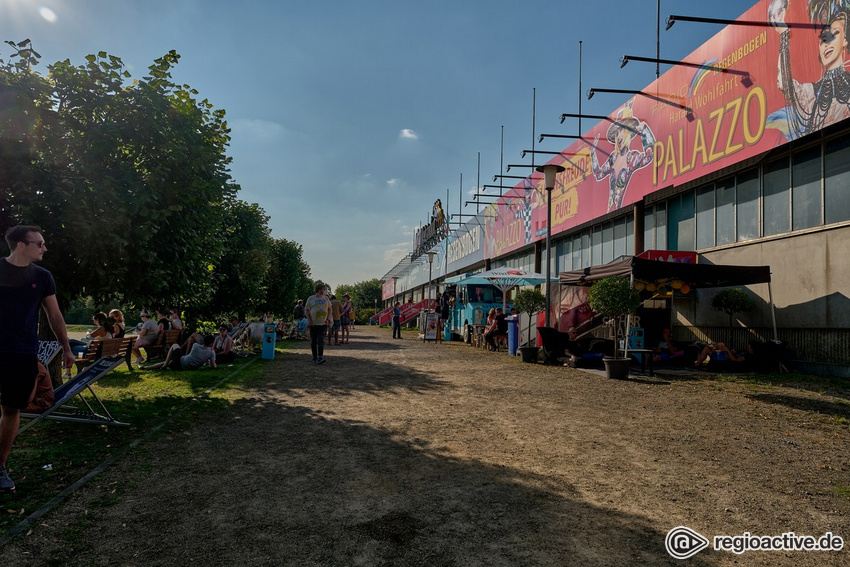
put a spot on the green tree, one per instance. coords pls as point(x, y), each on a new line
point(530, 301)
point(287, 279)
point(240, 276)
point(614, 297)
point(128, 181)
point(731, 301)
point(363, 294)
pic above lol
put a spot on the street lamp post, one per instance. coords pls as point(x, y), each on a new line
point(428, 305)
point(430, 265)
point(549, 171)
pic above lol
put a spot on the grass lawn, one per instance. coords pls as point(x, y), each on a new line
point(53, 455)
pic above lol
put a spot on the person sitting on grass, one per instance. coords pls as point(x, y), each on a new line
point(223, 346)
point(574, 349)
point(176, 359)
point(666, 348)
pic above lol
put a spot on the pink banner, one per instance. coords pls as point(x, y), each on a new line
point(753, 89)
point(388, 289)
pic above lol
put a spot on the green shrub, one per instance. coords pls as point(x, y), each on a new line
point(614, 297)
point(530, 301)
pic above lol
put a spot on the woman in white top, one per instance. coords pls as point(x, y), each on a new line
point(147, 335)
point(176, 322)
point(223, 346)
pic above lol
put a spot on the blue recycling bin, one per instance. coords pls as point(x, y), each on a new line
point(447, 332)
point(512, 335)
point(269, 336)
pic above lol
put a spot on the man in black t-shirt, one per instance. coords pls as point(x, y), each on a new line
point(497, 329)
point(24, 287)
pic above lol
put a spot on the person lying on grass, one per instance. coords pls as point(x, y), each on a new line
point(720, 352)
point(198, 356)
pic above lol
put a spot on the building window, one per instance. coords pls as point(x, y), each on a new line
point(649, 228)
point(806, 203)
point(585, 250)
point(837, 180)
point(747, 205)
point(630, 235)
point(607, 242)
point(619, 238)
point(596, 247)
point(661, 226)
point(776, 201)
point(705, 217)
point(724, 213)
point(577, 252)
point(680, 232)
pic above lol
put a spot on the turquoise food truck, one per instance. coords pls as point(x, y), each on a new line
point(471, 304)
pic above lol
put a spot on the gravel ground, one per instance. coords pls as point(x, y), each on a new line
point(397, 452)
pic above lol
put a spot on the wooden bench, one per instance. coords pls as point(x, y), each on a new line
point(107, 348)
point(163, 343)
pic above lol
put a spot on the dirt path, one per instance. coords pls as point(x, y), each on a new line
point(402, 453)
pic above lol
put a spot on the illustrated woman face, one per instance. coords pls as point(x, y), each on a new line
point(623, 140)
point(832, 45)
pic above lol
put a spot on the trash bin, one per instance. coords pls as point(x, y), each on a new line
point(512, 335)
point(447, 332)
point(269, 336)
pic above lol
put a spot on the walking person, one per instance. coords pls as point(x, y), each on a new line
point(345, 317)
point(318, 312)
point(298, 311)
point(445, 311)
point(24, 287)
point(336, 320)
point(397, 320)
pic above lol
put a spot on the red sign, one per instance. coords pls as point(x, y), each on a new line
point(677, 256)
point(756, 88)
point(388, 289)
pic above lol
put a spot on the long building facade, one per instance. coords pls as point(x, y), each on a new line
point(744, 159)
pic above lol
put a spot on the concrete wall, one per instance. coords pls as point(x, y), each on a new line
point(810, 276)
point(811, 291)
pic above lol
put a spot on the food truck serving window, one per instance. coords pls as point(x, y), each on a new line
point(483, 294)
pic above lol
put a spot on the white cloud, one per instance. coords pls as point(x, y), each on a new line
point(408, 134)
point(396, 251)
point(392, 182)
point(48, 14)
point(249, 130)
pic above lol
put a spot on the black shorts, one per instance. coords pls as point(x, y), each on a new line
point(176, 355)
point(17, 379)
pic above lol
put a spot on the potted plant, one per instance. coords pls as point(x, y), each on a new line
point(731, 301)
point(529, 301)
point(615, 298)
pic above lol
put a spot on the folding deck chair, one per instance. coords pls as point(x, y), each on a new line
point(88, 409)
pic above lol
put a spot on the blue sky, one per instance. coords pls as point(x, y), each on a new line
point(350, 118)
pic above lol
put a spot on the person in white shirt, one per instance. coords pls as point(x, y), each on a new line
point(318, 311)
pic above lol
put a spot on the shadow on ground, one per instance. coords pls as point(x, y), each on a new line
point(300, 488)
point(264, 483)
point(825, 407)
